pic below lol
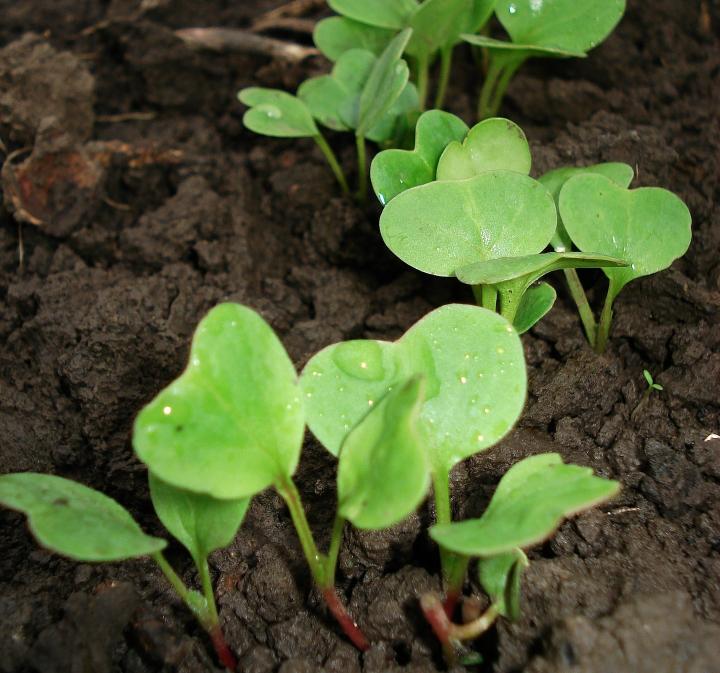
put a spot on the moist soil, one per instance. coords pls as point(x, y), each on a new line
point(135, 200)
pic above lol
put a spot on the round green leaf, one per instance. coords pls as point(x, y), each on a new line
point(233, 422)
point(648, 227)
point(74, 520)
point(444, 226)
point(277, 113)
point(478, 15)
point(383, 472)
point(493, 144)
point(435, 24)
point(501, 578)
point(534, 306)
point(200, 522)
point(393, 14)
point(621, 174)
point(336, 35)
point(518, 52)
point(473, 364)
point(530, 502)
point(395, 171)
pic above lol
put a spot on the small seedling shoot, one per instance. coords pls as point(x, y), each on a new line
point(649, 227)
point(366, 94)
point(86, 525)
point(540, 28)
point(530, 502)
point(472, 362)
point(436, 25)
point(651, 385)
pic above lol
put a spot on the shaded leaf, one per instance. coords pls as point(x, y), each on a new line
point(233, 422)
point(382, 13)
point(437, 23)
point(530, 502)
point(501, 578)
point(74, 520)
point(534, 306)
point(336, 35)
point(277, 113)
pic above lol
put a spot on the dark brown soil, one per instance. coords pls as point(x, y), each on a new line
point(143, 224)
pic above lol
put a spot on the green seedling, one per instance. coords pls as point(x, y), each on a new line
point(649, 227)
point(85, 525)
point(472, 362)
point(651, 385)
point(530, 502)
point(541, 28)
point(436, 25)
point(365, 94)
point(232, 425)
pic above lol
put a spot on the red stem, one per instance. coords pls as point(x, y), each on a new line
point(451, 600)
point(226, 657)
point(347, 623)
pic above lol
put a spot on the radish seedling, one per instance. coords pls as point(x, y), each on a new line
point(541, 28)
point(530, 502)
point(436, 24)
point(472, 361)
point(366, 94)
point(649, 227)
point(85, 525)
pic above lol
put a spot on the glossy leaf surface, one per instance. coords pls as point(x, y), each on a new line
point(337, 34)
point(395, 171)
point(200, 522)
point(474, 368)
point(444, 226)
point(649, 227)
point(501, 578)
point(493, 144)
point(277, 113)
point(74, 520)
point(534, 306)
point(530, 502)
point(233, 422)
point(383, 471)
point(393, 14)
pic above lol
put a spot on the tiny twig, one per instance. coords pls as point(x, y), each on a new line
point(126, 116)
point(243, 41)
point(294, 8)
point(288, 23)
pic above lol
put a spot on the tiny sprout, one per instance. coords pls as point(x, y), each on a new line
point(541, 28)
point(651, 383)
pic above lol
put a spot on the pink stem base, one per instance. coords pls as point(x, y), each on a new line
point(347, 623)
point(226, 657)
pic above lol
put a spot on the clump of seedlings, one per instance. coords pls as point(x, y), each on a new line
point(398, 416)
point(540, 28)
point(365, 94)
point(462, 204)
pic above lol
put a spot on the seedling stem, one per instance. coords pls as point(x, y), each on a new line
point(423, 75)
point(446, 60)
point(333, 162)
point(603, 331)
point(580, 298)
point(362, 167)
point(500, 73)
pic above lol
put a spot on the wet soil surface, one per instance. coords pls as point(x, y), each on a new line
point(120, 230)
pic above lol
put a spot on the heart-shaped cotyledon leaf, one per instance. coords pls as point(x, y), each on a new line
point(394, 14)
point(473, 364)
point(435, 24)
point(621, 174)
point(493, 144)
point(501, 578)
point(200, 522)
point(334, 99)
point(277, 113)
point(395, 171)
point(441, 227)
point(233, 422)
point(649, 227)
point(530, 502)
point(337, 34)
point(534, 306)
point(554, 27)
point(74, 520)
point(383, 469)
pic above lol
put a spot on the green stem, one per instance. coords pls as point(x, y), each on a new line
point(333, 162)
point(423, 77)
point(511, 295)
point(362, 167)
point(494, 71)
point(475, 628)
point(504, 81)
point(577, 292)
point(489, 297)
point(603, 331)
point(207, 588)
point(179, 586)
point(334, 549)
point(446, 59)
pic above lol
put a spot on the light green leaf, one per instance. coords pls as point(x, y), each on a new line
point(74, 520)
point(233, 422)
point(520, 51)
point(501, 578)
point(472, 361)
point(435, 24)
point(200, 522)
point(395, 171)
point(534, 306)
point(441, 227)
point(479, 14)
point(386, 82)
point(530, 502)
point(648, 227)
point(493, 144)
point(277, 113)
point(393, 14)
point(336, 35)
point(383, 471)
point(621, 174)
